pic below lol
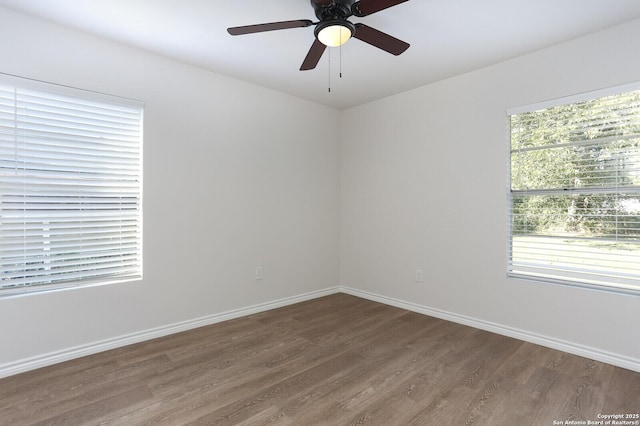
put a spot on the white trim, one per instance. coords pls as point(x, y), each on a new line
point(580, 97)
point(527, 336)
point(33, 363)
point(51, 358)
point(32, 83)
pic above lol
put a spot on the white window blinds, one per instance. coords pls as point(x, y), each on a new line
point(575, 192)
point(70, 187)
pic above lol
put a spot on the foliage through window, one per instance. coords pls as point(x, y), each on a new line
point(575, 191)
point(70, 187)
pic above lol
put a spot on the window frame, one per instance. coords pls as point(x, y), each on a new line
point(566, 280)
point(81, 266)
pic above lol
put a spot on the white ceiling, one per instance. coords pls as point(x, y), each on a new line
point(447, 37)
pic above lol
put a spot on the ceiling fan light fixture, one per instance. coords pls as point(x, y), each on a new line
point(334, 33)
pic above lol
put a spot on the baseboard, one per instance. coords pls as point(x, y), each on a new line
point(33, 363)
point(569, 347)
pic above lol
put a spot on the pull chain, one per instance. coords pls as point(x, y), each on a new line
point(341, 61)
point(329, 55)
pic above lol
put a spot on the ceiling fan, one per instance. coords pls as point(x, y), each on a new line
point(333, 28)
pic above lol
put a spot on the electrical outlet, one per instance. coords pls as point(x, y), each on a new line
point(259, 274)
point(419, 275)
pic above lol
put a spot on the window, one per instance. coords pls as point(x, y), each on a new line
point(70, 187)
point(574, 208)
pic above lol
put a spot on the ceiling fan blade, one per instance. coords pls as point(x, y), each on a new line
point(259, 28)
point(367, 7)
point(380, 40)
point(313, 57)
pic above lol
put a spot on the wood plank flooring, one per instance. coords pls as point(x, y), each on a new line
point(337, 360)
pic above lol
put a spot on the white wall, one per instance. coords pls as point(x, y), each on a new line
point(424, 181)
point(233, 179)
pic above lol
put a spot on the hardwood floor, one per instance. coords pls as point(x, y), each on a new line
point(337, 360)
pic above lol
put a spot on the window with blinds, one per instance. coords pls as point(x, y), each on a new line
point(70, 187)
point(574, 208)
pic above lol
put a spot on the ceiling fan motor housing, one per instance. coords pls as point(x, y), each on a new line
point(332, 10)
